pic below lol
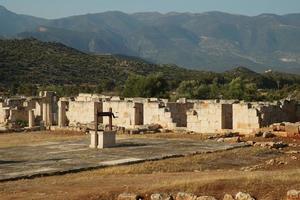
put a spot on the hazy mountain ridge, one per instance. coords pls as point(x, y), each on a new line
point(210, 41)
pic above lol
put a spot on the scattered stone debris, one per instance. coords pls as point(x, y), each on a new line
point(294, 145)
point(230, 140)
point(185, 196)
point(243, 196)
point(271, 145)
point(258, 134)
point(228, 197)
point(292, 152)
point(252, 143)
point(152, 128)
point(268, 134)
point(188, 196)
point(251, 168)
point(158, 196)
point(276, 162)
point(293, 195)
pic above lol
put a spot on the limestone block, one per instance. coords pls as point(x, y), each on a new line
point(106, 139)
point(94, 140)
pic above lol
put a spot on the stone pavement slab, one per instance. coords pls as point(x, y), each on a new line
point(52, 158)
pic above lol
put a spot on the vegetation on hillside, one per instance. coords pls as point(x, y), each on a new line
point(29, 65)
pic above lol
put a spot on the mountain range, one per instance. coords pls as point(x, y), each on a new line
point(212, 41)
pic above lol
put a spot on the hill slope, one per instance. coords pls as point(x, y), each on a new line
point(32, 61)
point(210, 41)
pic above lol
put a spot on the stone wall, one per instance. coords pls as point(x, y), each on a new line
point(245, 117)
point(248, 117)
point(156, 112)
point(129, 114)
point(16, 114)
point(4, 113)
point(82, 112)
point(205, 118)
point(179, 112)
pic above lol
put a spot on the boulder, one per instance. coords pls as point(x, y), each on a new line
point(252, 143)
point(258, 134)
point(268, 134)
point(232, 140)
point(293, 195)
point(243, 196)
point(158, 196)
point(129, 196)
point(231, 134)
point(220, 140)
point(228, 197)
point(274, 145)
point(279, 145)
point(185, 196)
point(154, 127)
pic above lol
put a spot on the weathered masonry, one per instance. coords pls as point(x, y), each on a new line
point(32, 112)
point(200, 116)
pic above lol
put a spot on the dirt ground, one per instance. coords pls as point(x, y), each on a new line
point(264, 173)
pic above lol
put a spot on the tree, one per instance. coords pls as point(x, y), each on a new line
point(150, 86)
point(193, 90)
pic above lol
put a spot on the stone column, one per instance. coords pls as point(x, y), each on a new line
point(62, 113)
point(44, 107)
point(30, 119)
point(94, 134)
point(49, 114)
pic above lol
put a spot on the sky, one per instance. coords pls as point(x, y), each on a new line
point(62, 8)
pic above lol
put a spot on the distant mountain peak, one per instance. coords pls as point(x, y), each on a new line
point(211, 40)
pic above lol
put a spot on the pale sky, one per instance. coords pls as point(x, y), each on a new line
point(62, 8)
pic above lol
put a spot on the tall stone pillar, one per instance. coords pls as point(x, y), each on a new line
point(30, 119)
point(49, 114)
point(44, 107)
point(62, 113)
point(94, 134)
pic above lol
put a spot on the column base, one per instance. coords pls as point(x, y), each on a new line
point(94, 140)
point(106, 139)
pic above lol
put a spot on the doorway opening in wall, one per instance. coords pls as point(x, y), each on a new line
point(227, 122)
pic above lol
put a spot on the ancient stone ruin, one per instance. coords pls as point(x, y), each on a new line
point(199, 116)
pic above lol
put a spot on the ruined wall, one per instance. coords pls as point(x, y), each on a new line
point(205, 117)
point(179, 112)
point(16, 114)
point(81, 112)
point(129, 114)
point(4, 113)
point(245, 117)
point(158, 113)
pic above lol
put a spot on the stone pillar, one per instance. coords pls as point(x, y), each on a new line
point(49, 114)
point(62, 113)
point(106, 139)
point(110, 120)
point(44, 107)
point(31, 119)
point(94, 134)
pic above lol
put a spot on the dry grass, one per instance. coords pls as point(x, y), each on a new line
point(217, 173)
point(214, 161)
point(206, 174)
point(262, 184)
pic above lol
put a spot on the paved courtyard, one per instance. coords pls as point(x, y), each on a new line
point(50, 158)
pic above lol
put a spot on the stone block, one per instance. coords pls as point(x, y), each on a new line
point(94, 140)
point(106, 139)
point(293, 195)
